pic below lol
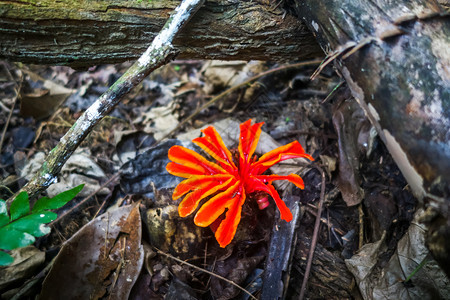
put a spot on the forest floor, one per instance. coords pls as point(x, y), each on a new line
point(366, 206)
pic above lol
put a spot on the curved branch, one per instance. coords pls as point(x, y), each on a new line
point(159, 53)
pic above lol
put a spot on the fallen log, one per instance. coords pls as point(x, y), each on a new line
point(86, 33)
point(395, 58)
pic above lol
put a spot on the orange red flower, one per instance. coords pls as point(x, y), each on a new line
point(228, 181)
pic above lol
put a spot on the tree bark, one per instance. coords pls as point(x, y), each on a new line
point(329, 278)
point(395, 58)
point(86, 33)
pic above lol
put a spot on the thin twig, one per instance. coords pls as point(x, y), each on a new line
point(159, 53)
point(24, 290)
point(205, 271)
point(361, 226)
point(333, 91)
point(19, 86)
point(238, 86)
point(315, 235)
point(7, 123)
point(119, 265)
point(99, 209)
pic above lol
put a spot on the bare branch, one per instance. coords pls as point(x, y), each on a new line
point(159, 53)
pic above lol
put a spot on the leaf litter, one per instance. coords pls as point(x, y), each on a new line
point(334, 132)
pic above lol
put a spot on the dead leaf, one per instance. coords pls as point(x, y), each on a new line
point(430, 282)
point(130, 143)
point(147, 169)
point(236, 269)
point(329, 164)
point(280, 251)
point(159, 121)
point(350, 123)
point(171, 233)
point(220, 74)
point(40, 97)
point(79, 168)
point(103, 259)
point(27, 261)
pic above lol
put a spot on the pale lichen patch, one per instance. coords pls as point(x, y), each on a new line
point(315, 26)
point(440, 46)
point(49, 179)
point(434, 110)
point(44, 229)
point(414, 105)
point(27, 238)
point(429, 111)
point(3, 210)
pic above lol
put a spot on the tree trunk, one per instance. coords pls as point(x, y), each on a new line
point(395, 57)
point(85, 33)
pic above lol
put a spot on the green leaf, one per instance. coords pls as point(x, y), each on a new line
point(12, 239)
point(20, 206)
point(58, 201)
point(5, 259)
point(34, 223)
point(4, 218)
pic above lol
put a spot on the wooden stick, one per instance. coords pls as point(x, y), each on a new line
point(159, 53)
point(315, 235)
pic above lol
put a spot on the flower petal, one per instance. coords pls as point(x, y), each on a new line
point(190, 203)
point(294, 178)
point(196, 183)
point(183, 171)
point(227, 228)
point(248, 139)
point(285, 213)
point(213, 144)
point(291, 150)
point(213, 208)
point(192, 161)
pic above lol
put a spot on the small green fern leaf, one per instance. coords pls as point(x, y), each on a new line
point(21, 227)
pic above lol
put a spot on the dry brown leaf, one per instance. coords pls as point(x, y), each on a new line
point(104, 258)
point(40, 98)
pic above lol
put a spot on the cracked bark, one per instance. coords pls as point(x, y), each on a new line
point(86, 33)
point(395, 58)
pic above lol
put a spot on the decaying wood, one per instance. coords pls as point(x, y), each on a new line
point(278, 261)
point(395, 58)
point(330, 278)
point(86, 33)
